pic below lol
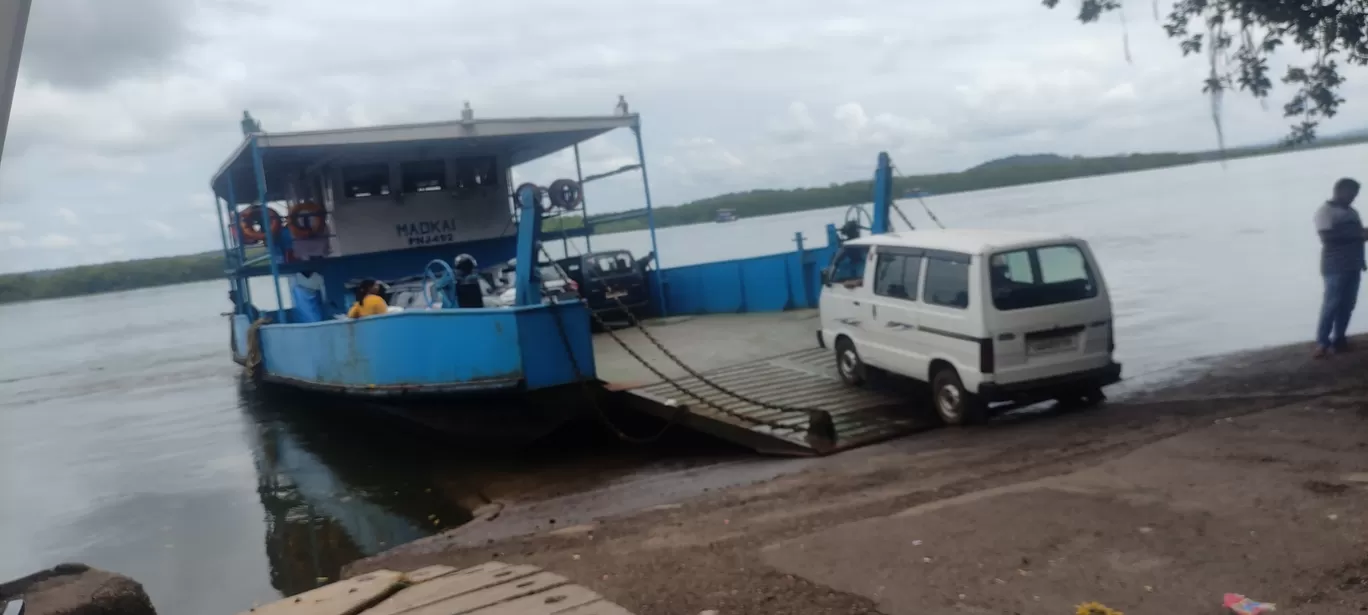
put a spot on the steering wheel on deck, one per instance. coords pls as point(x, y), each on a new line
point(857, 218)
point(438, 276)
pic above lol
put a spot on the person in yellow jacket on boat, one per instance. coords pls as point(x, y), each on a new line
point(368, 301)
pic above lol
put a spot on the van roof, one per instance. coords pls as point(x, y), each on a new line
point(968, 241)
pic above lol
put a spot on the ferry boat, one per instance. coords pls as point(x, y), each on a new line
point(318, 211)
point(726, 215)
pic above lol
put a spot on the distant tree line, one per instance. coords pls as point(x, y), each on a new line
point(110, 277)
point(995, 174)
point(1012, 171)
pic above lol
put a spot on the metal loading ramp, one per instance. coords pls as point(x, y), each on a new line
point(806, 379)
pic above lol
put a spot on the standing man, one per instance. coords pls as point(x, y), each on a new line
point(1342, 264)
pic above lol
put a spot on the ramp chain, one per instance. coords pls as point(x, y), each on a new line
point(820, 423)
point(589, 392)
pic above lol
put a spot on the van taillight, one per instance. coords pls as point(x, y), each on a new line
point(986, 362)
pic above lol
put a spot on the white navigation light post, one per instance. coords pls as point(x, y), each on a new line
point(14, 15)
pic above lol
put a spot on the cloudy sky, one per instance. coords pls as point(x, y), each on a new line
point(124, 108)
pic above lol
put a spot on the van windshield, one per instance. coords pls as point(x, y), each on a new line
point(1037, 277)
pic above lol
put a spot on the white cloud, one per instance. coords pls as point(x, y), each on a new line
point(161, 228)
point(15, 241)
point(55, 241)
point(105, 239)
point(10, 226)
point(734, 95)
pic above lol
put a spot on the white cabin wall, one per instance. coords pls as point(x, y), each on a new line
point(400, 221)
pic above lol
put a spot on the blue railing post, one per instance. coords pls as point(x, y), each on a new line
point(883, 194)
point(259, 169)
point(650, 220)
point(584, 205)
point(223, 232)
point(246, 291)
point(802, 299)
point(529, 231)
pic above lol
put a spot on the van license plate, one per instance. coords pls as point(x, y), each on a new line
point(1058, 344)
point(616, 293)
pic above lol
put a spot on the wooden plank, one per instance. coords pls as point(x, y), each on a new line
point(554, 600)
point(602, 607)
point(452, 585)
point(347, 597)
point(473, 601)
point(429, 573)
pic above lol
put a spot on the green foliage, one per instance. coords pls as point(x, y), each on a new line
point(111, 277)
point(1239, 37)
point(559, 223)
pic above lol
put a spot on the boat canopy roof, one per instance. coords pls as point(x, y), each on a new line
point(287, 155)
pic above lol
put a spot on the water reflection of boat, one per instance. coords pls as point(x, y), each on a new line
point(326, 506)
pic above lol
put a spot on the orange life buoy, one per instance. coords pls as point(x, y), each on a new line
point(253, 230)
point(307, 219)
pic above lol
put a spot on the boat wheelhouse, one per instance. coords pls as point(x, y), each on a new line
point(322, 210)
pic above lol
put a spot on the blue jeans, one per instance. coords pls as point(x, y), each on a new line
point(1341, 294)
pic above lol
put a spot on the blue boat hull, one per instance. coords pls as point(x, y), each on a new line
point(448, 353)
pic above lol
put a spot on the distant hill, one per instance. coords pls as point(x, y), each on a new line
point(1021, 160)
point(1010, 171)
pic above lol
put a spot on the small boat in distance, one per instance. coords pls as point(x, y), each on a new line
point(726, 215)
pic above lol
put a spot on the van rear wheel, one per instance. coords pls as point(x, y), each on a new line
point(954, 405)
point(848, 363)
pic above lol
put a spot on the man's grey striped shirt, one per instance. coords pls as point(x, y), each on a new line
point(1341, 233)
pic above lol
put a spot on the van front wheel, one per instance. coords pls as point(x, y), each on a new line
point(953, 404)
point(848, 363)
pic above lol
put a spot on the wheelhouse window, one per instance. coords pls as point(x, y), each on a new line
point(360, 181)
point(947, 281)
point(848, 266)
point(896, 275)
point(1038, 277)
point(476, 174)
point(423, 176)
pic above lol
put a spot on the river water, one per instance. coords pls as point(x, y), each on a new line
point(127, 441)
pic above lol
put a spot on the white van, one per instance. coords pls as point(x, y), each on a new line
point(984, 316)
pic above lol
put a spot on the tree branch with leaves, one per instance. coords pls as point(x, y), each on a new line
point(1238, 38)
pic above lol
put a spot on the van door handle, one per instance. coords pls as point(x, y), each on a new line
point(855, 302)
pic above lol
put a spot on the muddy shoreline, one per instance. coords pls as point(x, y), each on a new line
point(1247, 477)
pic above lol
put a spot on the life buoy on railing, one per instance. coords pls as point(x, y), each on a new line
point(565, 194)
point(537, 193)
point(252, 227)
point(307, 219)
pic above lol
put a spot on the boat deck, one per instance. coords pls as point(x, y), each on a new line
point(774, 376)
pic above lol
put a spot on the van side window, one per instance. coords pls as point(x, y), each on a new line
point(947, 282)
point(896, 275)
point(1055, 274)
point(848, 266)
